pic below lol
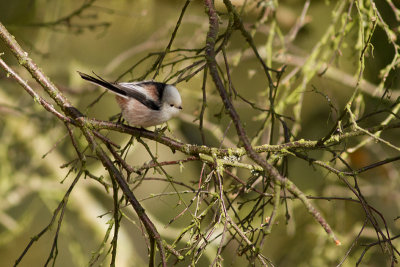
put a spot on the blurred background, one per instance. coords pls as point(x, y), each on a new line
point(109, 38)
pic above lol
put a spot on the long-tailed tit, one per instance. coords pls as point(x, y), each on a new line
point(143, 104)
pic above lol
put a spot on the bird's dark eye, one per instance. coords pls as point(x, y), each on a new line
point(171, 105)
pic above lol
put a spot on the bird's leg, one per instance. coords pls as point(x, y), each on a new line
point(160, 130)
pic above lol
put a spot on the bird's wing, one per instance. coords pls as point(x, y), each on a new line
point(154, 90)
point(127, 90)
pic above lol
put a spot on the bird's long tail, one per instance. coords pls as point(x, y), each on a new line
point(131, 93)
point(103, 83)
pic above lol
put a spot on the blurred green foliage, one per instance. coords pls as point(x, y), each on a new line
point(108, 38)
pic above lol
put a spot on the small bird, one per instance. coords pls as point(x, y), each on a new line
point(145, 103)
